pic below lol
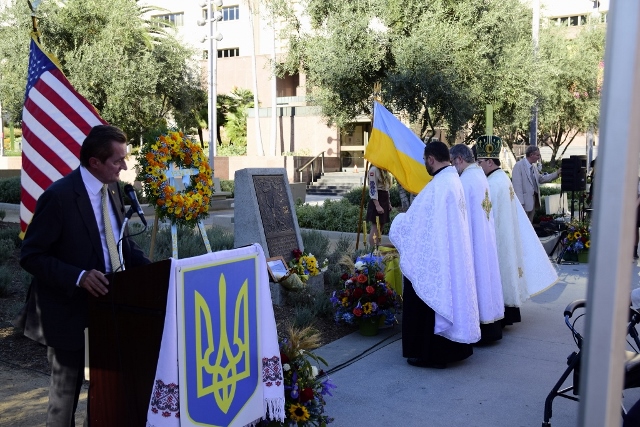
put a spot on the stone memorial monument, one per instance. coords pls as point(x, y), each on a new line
point(264, 212)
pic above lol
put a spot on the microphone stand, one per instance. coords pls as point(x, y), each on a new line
point(124, 227)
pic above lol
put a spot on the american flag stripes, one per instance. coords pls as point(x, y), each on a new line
point(55, 121)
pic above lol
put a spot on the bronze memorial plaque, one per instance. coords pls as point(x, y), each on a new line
point(276, 215)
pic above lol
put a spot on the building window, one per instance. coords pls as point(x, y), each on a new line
point(571, 21)
point(231, 13)
point(228, 53)
point(176, 19)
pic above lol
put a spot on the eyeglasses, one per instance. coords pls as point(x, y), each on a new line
point(480, 161)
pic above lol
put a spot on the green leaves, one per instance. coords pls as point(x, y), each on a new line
point(134, 73)
point(440, 62)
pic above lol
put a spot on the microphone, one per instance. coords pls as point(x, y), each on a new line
point(135, 206)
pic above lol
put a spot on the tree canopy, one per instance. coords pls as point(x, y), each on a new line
point(135, 74)
point(439, 62)
point(569, 102)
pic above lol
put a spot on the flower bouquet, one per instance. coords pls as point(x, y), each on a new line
point(578, 238)
point(365, 294)
point(301, 267)
point(305, 387)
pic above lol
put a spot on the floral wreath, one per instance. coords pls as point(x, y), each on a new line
point(186, 207)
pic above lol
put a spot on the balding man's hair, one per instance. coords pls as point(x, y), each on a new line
point(463, 151)
point(531, 149)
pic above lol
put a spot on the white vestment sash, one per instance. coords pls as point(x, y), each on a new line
point(433, 241)
point(483, 240)
point(525, 268)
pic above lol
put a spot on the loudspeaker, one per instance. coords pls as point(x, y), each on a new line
point(574, 174)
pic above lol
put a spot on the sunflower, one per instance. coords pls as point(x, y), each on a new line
point(587, 244)
point(298, 412)
point(367, 308)
point(577, 235)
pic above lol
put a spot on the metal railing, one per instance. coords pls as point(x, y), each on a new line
point(310, 165)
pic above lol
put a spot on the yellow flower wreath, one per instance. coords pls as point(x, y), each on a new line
point(186, 207)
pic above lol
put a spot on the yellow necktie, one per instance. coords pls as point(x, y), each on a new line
point(108, 231)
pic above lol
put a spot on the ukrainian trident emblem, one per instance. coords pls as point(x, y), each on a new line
point(222, 362)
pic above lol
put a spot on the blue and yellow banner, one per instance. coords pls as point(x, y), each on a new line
point(218, 313)
point(394, 147)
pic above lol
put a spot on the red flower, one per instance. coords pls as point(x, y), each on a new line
point(306, 395)
point(379, 275)
point(345, 276)
point(284, 358)
point(370, 289)
point(357, 293)
point(357, 311)
point(382, 299)
point(362, 278)
point(297, 253)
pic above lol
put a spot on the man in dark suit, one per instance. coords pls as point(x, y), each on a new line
point(67, 250)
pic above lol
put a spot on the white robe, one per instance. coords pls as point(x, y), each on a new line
point(525, 268)
point(483, 240)
point(433, 241)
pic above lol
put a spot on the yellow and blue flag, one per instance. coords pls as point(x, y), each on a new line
point(394, 147)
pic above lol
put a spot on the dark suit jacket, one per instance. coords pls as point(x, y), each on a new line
point(61, 241)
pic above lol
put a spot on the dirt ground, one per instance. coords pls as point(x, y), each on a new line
point(24, 395)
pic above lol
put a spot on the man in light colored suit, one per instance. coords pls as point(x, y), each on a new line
point(526, 180)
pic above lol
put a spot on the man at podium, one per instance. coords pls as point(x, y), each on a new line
point(70, 245)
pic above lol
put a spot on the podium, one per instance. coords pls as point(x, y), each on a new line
point(125, 332)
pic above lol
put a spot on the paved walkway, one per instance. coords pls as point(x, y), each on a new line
point(503, 384)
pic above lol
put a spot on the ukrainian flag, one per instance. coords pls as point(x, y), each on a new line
point(394, 147)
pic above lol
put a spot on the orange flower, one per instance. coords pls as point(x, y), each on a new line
point(362, 278)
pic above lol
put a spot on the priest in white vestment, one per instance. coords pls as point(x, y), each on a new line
point(483, 242)
point(525, 268)
point(440, 309)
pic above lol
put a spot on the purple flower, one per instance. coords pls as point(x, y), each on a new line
point(326, 387)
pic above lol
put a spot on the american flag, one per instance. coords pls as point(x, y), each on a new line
point(55, 121)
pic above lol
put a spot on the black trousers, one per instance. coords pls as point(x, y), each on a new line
point(67, 374)
point(418, 339)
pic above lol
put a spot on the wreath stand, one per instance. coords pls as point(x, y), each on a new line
point(184, 175)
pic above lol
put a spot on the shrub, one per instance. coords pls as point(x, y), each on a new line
point(315, 243)
point(10, 190)
point(6, 249)
point(11, 234)
point(354, 196)
point(334, 215)
point(303, 316)
point(189, 241)
point(5, 281)
point(227, 185)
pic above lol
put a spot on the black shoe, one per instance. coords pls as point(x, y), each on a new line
point(414, 361)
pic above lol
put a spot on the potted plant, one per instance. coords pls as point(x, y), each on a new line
point(365, 297)
point(578, 240)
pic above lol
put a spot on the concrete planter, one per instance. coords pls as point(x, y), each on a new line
point(298, 191)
